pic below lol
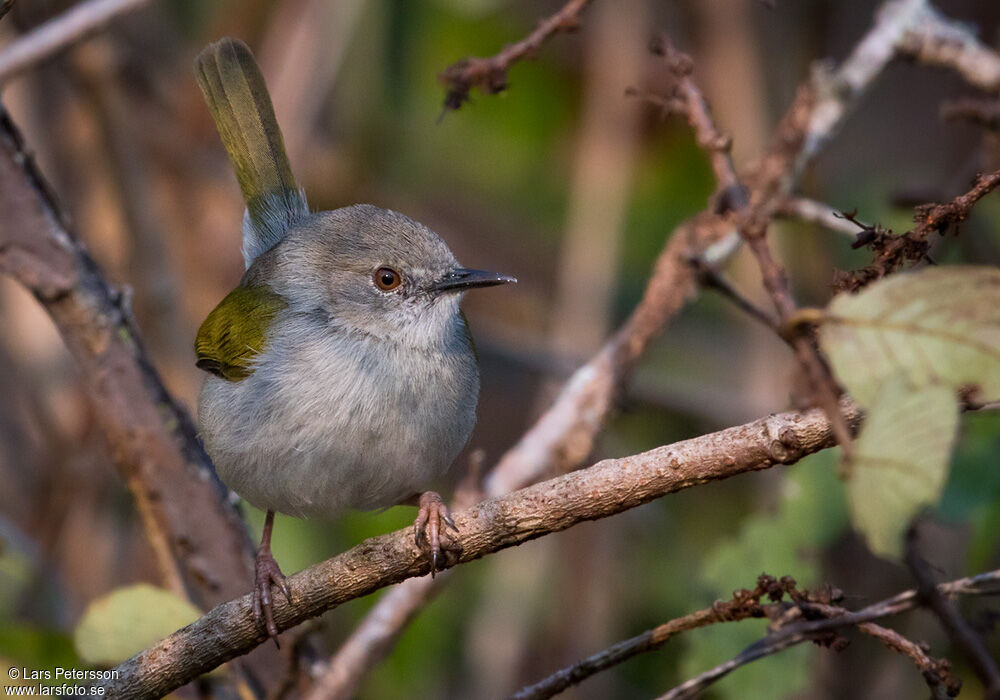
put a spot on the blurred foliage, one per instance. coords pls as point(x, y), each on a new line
point(127, 620)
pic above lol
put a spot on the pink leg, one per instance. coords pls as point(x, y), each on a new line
point(266, 574)
point(430, 530)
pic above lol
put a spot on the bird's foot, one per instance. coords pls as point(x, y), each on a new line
point(266, 574)
point(430, 530)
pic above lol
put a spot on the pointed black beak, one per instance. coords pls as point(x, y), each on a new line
point(461, 279)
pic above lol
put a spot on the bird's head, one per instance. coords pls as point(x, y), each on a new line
point(374, 271)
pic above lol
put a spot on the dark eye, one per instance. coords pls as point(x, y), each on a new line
point(387, 279)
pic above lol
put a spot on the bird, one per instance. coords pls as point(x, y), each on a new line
point(341, 374)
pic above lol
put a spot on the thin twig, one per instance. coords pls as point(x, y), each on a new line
point(939, 41)
point(826, 393)
point(609, 487)
point(710, 278)
point(490, 74)
point(981, 112)
point(5, 7)
point(745, 604)
point(936, 672)
point(819, 213)
point(60, 33)
point(894, 251)
point(981, 584)
point(960, 631)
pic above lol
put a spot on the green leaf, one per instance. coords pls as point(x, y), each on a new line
point(940, 325)
point(128, 620)
point(901, 459)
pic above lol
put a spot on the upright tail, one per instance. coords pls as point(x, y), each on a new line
point(241, 107)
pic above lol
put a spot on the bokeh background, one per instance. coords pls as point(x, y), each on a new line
point(562, 181)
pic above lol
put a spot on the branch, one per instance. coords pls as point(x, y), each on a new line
point(60, 33)
point(894, 251)
point(490, 74)
point(814, 212)
point(5, 7)
point(825, 392)
point(981, 112)
point(687, 99)
point(960, 631)
point(936, 40)
point(374, 637)
point(744, 605)
point(796, 633)
point(609, 487)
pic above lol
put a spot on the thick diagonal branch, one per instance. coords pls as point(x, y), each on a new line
point(606, 488)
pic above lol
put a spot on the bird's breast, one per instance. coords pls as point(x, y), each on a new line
point(332, 420)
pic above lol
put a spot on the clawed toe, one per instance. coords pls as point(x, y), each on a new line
point(430, 530)
point(267, 574)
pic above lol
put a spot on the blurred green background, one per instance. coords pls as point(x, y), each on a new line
point(572, 187)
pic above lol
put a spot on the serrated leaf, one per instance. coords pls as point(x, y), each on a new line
point(939, 325)
point(901, 460)
point(128, 620)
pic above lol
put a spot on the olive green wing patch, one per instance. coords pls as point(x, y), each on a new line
point(236, 332)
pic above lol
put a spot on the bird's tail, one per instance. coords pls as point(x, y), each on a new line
point(241, 107)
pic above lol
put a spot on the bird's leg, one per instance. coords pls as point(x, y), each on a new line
point(430, 529)
point(266, 573)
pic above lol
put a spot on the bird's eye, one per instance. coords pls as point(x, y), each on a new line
point(387, 279)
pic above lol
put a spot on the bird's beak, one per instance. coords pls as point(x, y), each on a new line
point(461, 279)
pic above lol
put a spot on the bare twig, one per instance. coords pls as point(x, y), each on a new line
point(59, 33)
point(796, 633)
point(374, 637)
point(609, 487)
point(824, 215)
point(822, 620)
point(490, 74)
point(731, 194)
point(824, 387)
point(709, 278)
point(982, 112)
point(936, 672)
point(894, 251)
point(960, 631)
point(5, 7)
point(936, 40)
point(745, 604)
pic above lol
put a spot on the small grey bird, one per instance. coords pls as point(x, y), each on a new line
point(342, 373)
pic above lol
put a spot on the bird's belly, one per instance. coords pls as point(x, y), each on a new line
point(346, 438)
